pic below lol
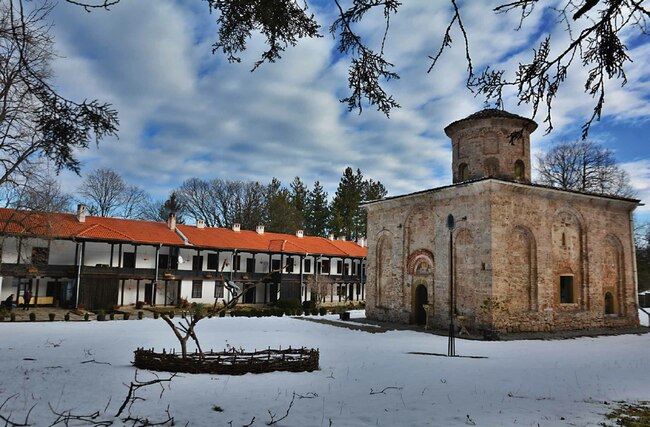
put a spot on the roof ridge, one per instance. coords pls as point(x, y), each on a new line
point(94, 226)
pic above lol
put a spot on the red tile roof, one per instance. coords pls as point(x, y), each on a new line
point(66, 226)
point(269, 242)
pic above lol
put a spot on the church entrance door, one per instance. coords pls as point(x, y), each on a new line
point(420, 300)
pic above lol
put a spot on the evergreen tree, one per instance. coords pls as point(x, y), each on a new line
point(299, 198)
point(172, 205)
point(370, 190)
point(345, 205)
point(282, 215)
point(317, 213)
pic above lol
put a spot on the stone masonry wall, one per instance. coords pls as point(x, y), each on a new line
point(560, 233)
point(416, 229)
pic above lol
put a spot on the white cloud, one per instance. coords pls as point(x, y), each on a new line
point(185, 112)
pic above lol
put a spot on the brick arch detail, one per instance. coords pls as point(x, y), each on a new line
point(416, 256)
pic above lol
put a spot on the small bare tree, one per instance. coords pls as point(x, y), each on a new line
point(184, 329)
point(583, 166)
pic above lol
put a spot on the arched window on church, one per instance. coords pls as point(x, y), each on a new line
point(463, 172)
point(519, 170)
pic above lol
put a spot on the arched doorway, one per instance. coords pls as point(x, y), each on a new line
point(420, 300)
point(609, 303)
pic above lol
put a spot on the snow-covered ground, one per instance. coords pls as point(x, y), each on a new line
point(365, 379)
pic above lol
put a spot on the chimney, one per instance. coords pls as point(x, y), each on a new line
point(81, 213)
point(331, 236)
point(200, 223)
point(171, 221)
point(342, 238)
point(236, 227)
point(300, 234)
point(362, 242)
point(259, 229)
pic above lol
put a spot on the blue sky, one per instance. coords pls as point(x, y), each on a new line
point(187, 113)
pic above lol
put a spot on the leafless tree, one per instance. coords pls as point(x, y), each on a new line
point(221, 203)
point(44, 194)
point(583, 166)
point(107, 194)
point(36, 123)
point(198, 197)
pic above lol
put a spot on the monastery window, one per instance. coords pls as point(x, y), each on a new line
point(250, 265)
point(566, 289)
point(40, 255)
point(197, 263)
point(354, 268)
point(290, 265)
point(213, 261)
point(197, 288)
point(325, 266)
point(339, 267)
point(128, 260)
point(163, 261)
point(236, 260)
point(519, 170)
point(307, 266)
point(275, 265)
point(463, 172)
point(218, 290)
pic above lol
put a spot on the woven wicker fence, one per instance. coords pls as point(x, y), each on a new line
point(230, 362)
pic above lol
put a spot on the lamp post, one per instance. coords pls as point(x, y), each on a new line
point(451, 346)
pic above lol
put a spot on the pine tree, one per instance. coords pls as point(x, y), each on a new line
point(172, 205)
point(345, 205)
point(282, 215)
point(370, 190)
point(299, 198)
point(317, 214)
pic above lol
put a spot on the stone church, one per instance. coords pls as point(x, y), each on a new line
point(524, 257)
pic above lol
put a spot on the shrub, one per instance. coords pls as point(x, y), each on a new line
point(314, 312)
point(12, 317)
point(139, 305)
point(51, 316)
point(222, 313)
point(288, 304)
point(140, 314)
point(111, 316)
point(66, 317)
point(171, 314)
point(86, 316)
point(299, 312)
point(32, 317)
point(126, 316)
point(198, 310)
point(183, 303)
point(308, 305)
point(156, 315)
point(322, 311)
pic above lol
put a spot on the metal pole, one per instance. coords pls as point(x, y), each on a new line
point(451, 346)
point(76, 302)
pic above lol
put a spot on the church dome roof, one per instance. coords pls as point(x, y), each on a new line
point(493, 113)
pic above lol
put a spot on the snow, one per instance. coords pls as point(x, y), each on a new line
point(550, 383)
